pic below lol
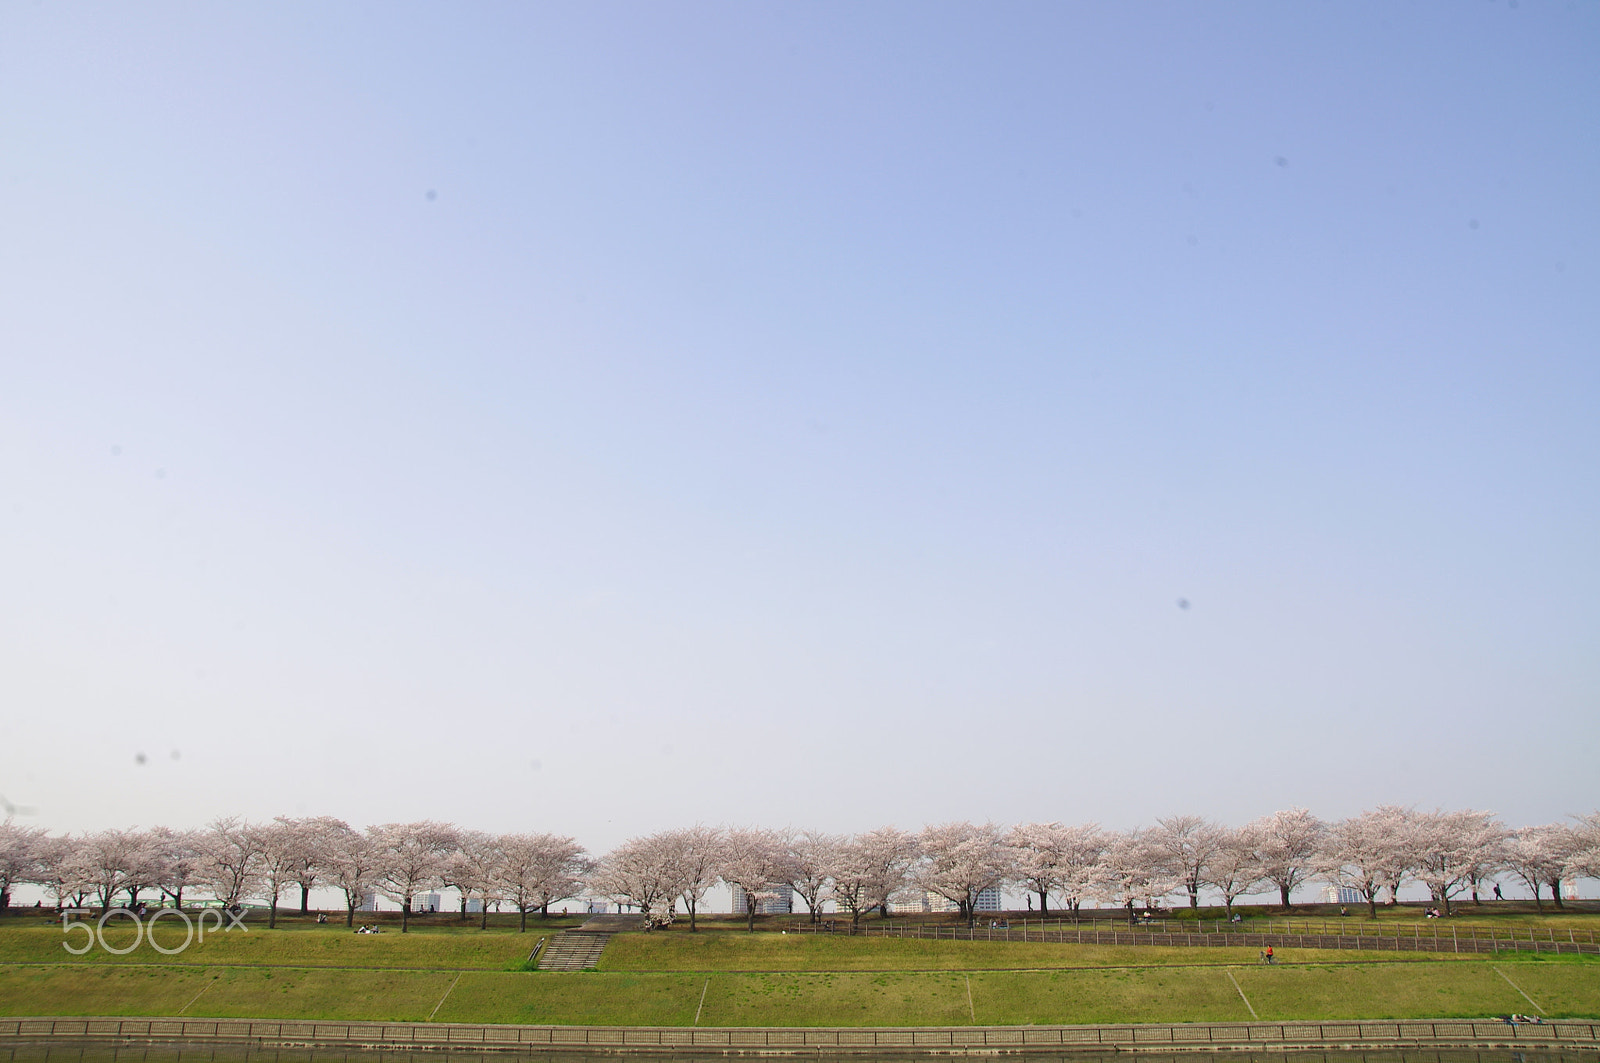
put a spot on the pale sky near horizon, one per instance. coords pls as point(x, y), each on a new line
point(606, 417)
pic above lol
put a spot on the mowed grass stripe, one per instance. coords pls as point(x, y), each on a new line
point(915, 998)
point(243, 993)
point(711, 952)
point(578, 998)
point(324, 947)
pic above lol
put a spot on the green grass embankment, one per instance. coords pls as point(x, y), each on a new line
point(722, 977)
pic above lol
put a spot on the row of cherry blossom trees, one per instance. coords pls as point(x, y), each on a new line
point(1375, 853)
point(233, 860)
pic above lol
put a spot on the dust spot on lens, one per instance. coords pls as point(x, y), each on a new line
point(1473, 224)
point(1281, 161)
point(432, 195)
point(1183, 603)
point(139, 758)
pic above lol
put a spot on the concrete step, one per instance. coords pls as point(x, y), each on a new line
point(572, 950)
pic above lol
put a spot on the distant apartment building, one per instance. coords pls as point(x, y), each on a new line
point(1341, 895)
point(925, 901)
point(988, 900)
point(780, 903)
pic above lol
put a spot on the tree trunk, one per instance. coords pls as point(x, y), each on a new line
point(1283, 891)
point(484, 923)
point(693, 929)
point(750, 913)
point(522, 927)
point(405, 913)
point(1194, 893)
point(1555, 892)
point(305, 898)
point(350, 913)
point(272, 913)
point(1372, 904)
point(1044, 903)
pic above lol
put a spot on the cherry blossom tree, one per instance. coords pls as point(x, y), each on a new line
point(538, 869)
point(868, 869)
point(1039, 856)
point(758, 862)
point(63, 870)
point(283, 851)
point(640, 872)
point(811, 854)
point(110, 857)
point(1136, 869)
point(565, 865)
point(20, 851)
point(474, 869)
point(1288, 843)
point(1083, 847)
point(1189, 842)
point(180, 862)
point(316, 848)
point(1234, 867)
point(696, 855)
point(1365, 851)
point(1584, 859)
point(961, 860)
point(1449, 845)
point(355, 863)
point(230, 859)
point(412, 857)
point(1540, 856)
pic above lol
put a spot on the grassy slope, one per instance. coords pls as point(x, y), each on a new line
point(325, 947)
point(734, 979)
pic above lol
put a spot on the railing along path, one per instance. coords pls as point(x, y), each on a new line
point(939, 1040)
point(1435, 936)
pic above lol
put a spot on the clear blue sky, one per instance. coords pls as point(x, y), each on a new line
point(843, 414)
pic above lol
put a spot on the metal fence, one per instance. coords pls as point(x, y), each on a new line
point(1462, 1033)
point(1434, 936)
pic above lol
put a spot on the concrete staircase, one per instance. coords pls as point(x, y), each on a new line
point(572, 950)
point(580, 949)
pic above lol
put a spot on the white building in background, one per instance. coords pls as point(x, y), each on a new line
point(988, 900)
point(369, 902)
point(780, 903)
point(926, 901)
point(597, 908)
point(1341, 895)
